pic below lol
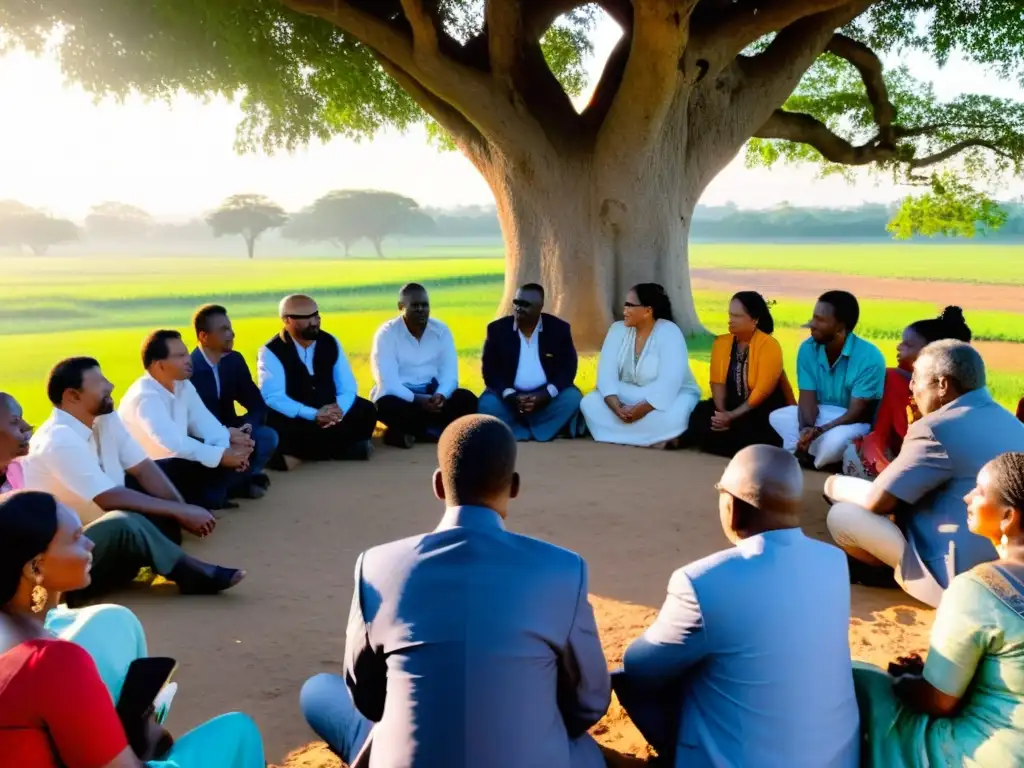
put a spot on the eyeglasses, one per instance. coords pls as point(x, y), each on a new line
point(631, 305)
point(521, 303)
point(303, 317)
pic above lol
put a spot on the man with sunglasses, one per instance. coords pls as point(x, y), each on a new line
point(748, 662)
point(529, 366)
point(312, 394)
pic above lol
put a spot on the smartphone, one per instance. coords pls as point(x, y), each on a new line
point(145, 680)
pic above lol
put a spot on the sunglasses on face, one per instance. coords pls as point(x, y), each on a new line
point(303, 317)
point(521, 303)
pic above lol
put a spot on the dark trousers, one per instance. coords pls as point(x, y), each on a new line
point(655, 714)
point(410, 419)
point(199, 484)
point(750, 429)
point(168, 526)
point(308, 441)
point(266, 446)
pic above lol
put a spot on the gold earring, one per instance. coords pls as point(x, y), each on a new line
point(1004, 547)
point(39, 595)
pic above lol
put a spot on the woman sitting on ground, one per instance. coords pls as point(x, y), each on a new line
point(962, 705)
point(867, 456)
point(645, 388)
point(747, 383)
point(55, 709)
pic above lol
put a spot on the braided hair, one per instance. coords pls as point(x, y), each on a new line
point(1007, 474)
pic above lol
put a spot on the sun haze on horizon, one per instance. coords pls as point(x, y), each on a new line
point(62, 152)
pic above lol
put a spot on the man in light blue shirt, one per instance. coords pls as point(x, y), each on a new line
point(841, 378)
point(748, 662)
point(312, 394)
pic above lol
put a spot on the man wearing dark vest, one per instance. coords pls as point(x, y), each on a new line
point(311, 391)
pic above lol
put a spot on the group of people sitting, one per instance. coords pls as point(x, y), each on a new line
point(99, 494)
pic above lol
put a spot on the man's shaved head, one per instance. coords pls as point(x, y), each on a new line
point(301, 318)
point(477, 463)
point(297, 304)
point(762, 489)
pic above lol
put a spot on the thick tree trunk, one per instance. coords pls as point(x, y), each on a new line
point(587, 237)
point(250, 245)
point(378, 246)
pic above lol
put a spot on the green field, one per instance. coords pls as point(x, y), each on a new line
point(56, 307)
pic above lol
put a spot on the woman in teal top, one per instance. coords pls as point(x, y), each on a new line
point(964, 706)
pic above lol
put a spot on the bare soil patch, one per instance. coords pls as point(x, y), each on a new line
point(635, 515)
point(774, 284)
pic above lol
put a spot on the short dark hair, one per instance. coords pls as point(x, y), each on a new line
point(68, 374)
point(755, 305)
point(949, 325)
point(845, 307)
point(411, 288)
point(533, 287)
point(201, 319)
point(477, 458)
point(155, 347)
point(28, 523)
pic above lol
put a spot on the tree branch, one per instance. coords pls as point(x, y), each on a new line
point(870, 67)
point(956, 149)
point(424, 32)
point(504, 37)
point(804, 129)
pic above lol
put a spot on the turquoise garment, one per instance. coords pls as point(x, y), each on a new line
point(114, 638)
point(858, 373)
point(977, 653)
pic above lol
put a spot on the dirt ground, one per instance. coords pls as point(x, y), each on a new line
point(635, 515)
point(1005, 298)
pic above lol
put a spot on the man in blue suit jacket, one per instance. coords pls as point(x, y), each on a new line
point(748, 662)
point(529, 366)
point(222, 378)
point(469, 646)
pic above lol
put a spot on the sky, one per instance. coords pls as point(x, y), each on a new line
point(62, 152)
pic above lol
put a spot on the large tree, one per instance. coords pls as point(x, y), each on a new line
point(589, 200)
point(118, 221)
point(249, 216)
point(345, 216)
point(22, 226)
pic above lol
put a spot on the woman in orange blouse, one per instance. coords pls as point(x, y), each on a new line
point(747, 382)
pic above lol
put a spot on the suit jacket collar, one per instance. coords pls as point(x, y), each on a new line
point(474, 518)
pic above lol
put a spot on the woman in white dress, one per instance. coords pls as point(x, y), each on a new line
point(645, 388)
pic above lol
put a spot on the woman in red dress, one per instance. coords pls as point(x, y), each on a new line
point(867, 456)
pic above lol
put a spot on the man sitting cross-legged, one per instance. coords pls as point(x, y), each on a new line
point(529, 366)
point(85, 457)
point(469, 645)
point(165, 414)
point(308, 384)
point(416, 373)
point(748, 662)
point(221, 377)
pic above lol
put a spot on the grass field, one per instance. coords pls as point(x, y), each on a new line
point(56, 307)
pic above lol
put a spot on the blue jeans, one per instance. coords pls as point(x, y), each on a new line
point(544, 425)
point(328, 708)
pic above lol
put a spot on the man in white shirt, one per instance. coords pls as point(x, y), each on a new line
point(85, 457)
point(166, 416)
point(416, 373)
point(312, 394)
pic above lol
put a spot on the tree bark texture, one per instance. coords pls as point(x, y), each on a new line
point(592, 202)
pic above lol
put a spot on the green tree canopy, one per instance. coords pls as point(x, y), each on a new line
point(247, 215)
point(117, 221)
point(22, 226)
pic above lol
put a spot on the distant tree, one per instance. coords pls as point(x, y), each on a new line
point(247, 215)
point(24, 227)
point(118, 221)
point(347, 215)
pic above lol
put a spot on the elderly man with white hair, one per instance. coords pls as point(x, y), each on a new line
point(748, 662)
point(911, 521)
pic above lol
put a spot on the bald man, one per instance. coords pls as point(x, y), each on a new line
point(311, 391)
point(748, 662)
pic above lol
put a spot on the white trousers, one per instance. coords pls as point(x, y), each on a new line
point(851, 524)
point(827, 449)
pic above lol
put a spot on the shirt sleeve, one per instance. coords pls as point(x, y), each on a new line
point(584, 667)
point(71, 462)
point(608, 362)
point(870, 381)
point(384, 363)
point(673, 360)
point(129, 451)
point(202, 423)
point(721, 350)
point(807, 368)
point(676, 641)
point(155, 420)
point(272, 386)
point(448, 373)
point(76, 707)
point(769, 371)
point(962, 634)
point(345, 383)
point(921, 466)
